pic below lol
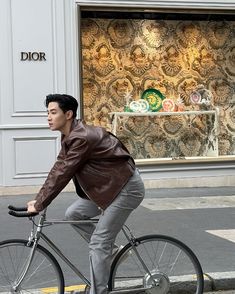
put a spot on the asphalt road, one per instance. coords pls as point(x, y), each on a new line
point(193, 215)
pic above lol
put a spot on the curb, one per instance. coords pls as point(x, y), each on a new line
point(219, 281)
point(158, 183)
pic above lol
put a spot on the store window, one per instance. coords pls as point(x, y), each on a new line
point(173, 76)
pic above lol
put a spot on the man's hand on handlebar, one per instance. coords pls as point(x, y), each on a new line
point(30, 207)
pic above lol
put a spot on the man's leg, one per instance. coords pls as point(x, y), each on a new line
point(109, 225)
point(83, 209)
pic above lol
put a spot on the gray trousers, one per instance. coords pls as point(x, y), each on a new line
point(101, 237)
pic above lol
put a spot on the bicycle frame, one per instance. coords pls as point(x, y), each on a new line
point(154, 271)
point(35, 236)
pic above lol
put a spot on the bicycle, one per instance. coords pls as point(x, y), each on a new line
point(153, 264)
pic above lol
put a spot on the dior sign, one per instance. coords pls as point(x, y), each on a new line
point(33, 56)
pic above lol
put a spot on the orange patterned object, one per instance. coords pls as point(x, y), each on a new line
point(168, 105)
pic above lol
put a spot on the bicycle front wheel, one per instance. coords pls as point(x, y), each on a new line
point(160, 265)
point(44, 274)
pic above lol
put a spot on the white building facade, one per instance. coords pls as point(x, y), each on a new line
point(40, 54)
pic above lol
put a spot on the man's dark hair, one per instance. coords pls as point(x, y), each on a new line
point(65, 102)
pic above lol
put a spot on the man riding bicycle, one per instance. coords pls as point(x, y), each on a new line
point(106, 181)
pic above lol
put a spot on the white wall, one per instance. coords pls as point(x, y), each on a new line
point(27, 148)
point(1, 166)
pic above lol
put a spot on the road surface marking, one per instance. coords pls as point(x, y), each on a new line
point(73, 288)
point(225, 234)
point(189, 202)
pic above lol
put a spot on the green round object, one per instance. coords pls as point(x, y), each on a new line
point(154, 98)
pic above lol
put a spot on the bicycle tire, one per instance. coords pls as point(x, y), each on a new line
point(172, 264)
point(44, 273)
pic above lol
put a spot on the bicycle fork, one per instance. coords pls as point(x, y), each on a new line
point(33, 238)
point(19, 280)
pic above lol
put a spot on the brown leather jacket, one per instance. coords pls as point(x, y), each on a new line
point(99, 164)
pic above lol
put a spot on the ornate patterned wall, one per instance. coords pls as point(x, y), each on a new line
point(130, 55)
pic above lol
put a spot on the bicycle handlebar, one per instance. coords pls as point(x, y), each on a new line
point(20, 211)
point(11, 207)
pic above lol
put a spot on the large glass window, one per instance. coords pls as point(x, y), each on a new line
point(180, 55)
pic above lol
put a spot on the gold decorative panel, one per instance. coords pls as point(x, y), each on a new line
point(128, 56)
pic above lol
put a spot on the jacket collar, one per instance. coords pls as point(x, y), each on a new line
point(73, 125)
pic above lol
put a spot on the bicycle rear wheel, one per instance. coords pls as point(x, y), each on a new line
point(167, 266)
point(43, 276)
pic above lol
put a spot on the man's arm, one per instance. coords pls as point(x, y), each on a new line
point(61, 173)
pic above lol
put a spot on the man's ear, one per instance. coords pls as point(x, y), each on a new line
point(69, 114)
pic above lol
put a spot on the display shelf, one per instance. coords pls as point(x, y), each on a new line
point(115, 116)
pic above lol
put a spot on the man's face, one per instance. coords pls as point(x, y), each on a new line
point(57, 119)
